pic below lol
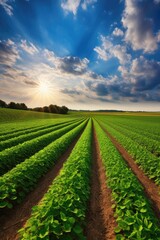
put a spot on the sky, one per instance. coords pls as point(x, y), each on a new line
point(84, 54)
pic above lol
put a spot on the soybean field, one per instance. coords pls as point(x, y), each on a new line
point(83, 176)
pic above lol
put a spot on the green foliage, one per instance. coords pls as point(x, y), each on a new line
point(33, 133)
point(20, 180)
point(14, 155)
point(146, 160)
point(150, 144)
point(133, 212)
point(61, 213)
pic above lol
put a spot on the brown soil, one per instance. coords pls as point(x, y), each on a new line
point(100, 220)
point(12, 220)
point(151, 190)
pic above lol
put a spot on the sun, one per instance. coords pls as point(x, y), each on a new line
point(43, 93)
point(43, 88)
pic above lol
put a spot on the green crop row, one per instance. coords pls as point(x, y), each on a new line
point(150, 144)
point(24, 130)
point(61, 212)
point(147, 126)
point(28, 136)
point(33, 126)
point(11, 128)
point(14, 155)
point(8, 135)
point(133, 212)
point(147, 161)
point(140, 131)
point(15, 184)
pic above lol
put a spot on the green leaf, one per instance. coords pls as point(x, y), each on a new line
point(67, 227)
point(120, 237)
point(140, 228)
point(71, 220)
point(143, 210)
point(63, 216)
point(78, 229)
point(44, 231)
point(3, 204)
point(150, 225)
point(9, 205)
point(130, 220)
point(117, 229)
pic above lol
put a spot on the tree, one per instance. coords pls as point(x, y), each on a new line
point(3, 104)
point(64, 109)
point(46, 109)
point(23, 106)
point(12, 105)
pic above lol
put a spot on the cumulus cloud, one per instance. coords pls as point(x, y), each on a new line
point(139, 29)
point(118, 32)
point(69, 64)
point(137, 81)
point(116, 89)
point(9, 53)
point(146, 73)
point(28, 47)
point(99, 88)
point(143, 74)
point(107, 50)
point(7, 7)
point(70, 6)
point(73, 65)
point(86, 3)
point(120, 52)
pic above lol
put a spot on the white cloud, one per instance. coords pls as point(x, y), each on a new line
point(7, 7)
point(139, 29)
point(143, 74)
point(85, 3)
point(108, 50)
point(157, 1)
point(120, 52)
point(9, 53)
point(118, 32)
point(28, 47)
point(102, 54)
point(73, 5)
point(70, 6)
point(68, 65)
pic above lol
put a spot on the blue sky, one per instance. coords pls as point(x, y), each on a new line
point(85, 54)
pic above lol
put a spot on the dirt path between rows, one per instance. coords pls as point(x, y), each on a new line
point(100, 220)
point(151, 190)
point(12, 220)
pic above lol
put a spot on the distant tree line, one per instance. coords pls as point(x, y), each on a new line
point(52, 109)
point(22, 106)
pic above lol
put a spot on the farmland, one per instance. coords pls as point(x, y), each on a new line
point(79, 176)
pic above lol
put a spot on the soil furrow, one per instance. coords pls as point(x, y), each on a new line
point(151, 190)
point(14, 219)
point(100, 220)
